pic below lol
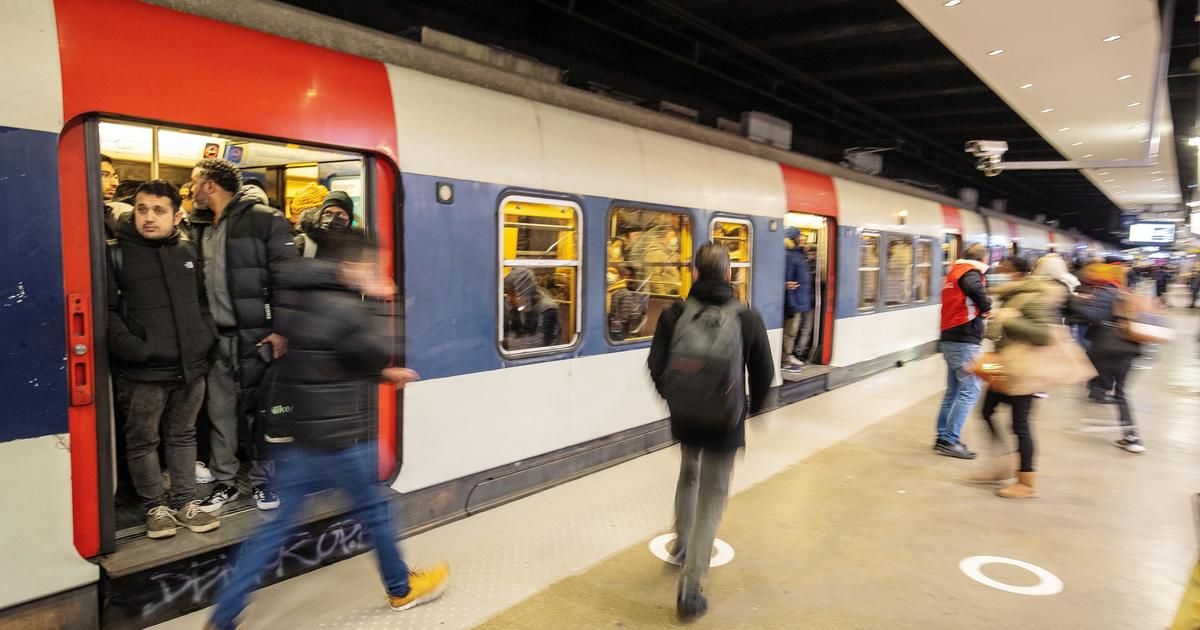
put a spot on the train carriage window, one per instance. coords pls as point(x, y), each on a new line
point(898, 283)
point(540, 274)
point(924, 270)
point(950, 246)
point(868, 272)
point(646, 266)
point(735, 235)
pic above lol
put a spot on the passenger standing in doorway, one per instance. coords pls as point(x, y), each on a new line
point(708, 448)
point(965, 304)
point(108, 189)
point(320, 399)
point(798, 302)
point(159, 334)
point(243, 249)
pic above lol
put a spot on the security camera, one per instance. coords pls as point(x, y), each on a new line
point(986, 148)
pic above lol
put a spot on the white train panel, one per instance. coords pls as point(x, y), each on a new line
point(1033, 237)
point(31, 97)
point(612, 160)
point(973, 228)
point(863, 206)
point(857, 339)
point(37, 535)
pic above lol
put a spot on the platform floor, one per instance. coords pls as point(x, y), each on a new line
point(842, 518)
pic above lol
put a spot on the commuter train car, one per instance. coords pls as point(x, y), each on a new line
point(462, 186)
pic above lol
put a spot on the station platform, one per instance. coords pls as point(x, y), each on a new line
point(841, 517)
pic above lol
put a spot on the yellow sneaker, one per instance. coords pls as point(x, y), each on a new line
point(423, 587)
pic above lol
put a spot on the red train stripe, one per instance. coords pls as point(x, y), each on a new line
point(809, 192)
point(952, 219)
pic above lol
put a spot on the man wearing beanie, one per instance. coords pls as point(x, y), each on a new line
point(325, 232)
point(797, 303)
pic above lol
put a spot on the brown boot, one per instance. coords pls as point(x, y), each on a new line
point(998, 470)
point(1025, 488)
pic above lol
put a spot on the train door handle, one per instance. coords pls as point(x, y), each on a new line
point(80, 363)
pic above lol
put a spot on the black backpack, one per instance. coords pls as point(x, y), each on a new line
point(703, 380)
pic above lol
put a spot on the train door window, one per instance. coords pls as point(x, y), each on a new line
point(134, 153)
point(868, 272)
point(923, 270)
point(735, 235)
point(540, 275)
point(898, 283)
point(646, 264)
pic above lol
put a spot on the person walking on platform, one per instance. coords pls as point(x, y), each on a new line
point(1108, 349)
point(159, 334)
point(798, 302)
point(242, 244)
point(699, 358)
point(965, 304)
point(1030, 317)
point(318, 397)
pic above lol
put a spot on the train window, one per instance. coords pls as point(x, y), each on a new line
point(539, 293)
point(898, 283)
point(646, 265)
point(924, 270)
point(950, 245)
point(735, 235)
point(868, 272)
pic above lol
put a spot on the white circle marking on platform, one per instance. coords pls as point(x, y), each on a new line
point(723, 554)
point(1048, 583)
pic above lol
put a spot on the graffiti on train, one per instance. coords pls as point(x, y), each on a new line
point(195, 583)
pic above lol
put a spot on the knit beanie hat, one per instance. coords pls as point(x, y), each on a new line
point(310, 196)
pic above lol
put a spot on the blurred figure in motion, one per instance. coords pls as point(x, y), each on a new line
point(318, 401)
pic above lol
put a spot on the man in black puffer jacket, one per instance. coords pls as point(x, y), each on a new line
point(159, 335)
point(319, 396)
point(707, 454)
point(243, 249)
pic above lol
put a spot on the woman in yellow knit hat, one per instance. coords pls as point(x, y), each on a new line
point(308, 197)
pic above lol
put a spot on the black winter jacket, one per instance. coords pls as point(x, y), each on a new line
point(756, 355)
point(159, 328)
point(320, 393)
point(258, 242)
point(1096, 305)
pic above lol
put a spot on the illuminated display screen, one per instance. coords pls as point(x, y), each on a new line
point(1152, 233)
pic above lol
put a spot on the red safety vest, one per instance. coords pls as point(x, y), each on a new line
point(957, 308)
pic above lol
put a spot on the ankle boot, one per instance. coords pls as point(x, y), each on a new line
point(1025, 488)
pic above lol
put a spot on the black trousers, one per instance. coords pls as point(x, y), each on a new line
point(1021, 406)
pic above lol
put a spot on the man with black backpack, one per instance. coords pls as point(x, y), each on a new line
point(702, 350)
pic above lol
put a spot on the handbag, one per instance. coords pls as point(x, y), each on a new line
point(1139, 322)
point(1030, 368)
point(990, 368)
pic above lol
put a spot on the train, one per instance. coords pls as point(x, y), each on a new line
point(462, 173)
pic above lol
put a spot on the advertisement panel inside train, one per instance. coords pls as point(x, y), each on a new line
point(1152, 233)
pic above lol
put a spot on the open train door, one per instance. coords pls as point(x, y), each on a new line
point(812, 209)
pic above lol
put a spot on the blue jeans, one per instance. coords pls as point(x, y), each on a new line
point(962, 389)
point(303, 471)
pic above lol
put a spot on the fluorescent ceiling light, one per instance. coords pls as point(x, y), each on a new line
point(1076, 144)
point(1026, 86)
point(954, 3)
point(1104, 173)
point(998, 51)
point(1158, 179)
point(1111, 38)
point(1109, 180)
point(1064, 129)
point(1091, 155)
point(1134, 104)
point(1047, 110)
point(1124, 76)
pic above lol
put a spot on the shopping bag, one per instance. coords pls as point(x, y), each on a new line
point(1032, 368)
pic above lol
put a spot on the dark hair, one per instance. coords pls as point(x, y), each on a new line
point(976, 252)
point(161, 188)
point(712, 261)
point(254, 181)
point(105, 158)
point(1019, 264)
point(221, 172)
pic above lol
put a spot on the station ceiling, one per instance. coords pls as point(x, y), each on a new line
point(910, 79)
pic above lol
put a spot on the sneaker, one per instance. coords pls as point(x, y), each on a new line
point(1040, 395)
point(195, 519)
point(958, 449)
point(222, 494)
point(265, 498)
point(160, 523)
point(1133, 445)
point(423, 587)
point(791, 367)
point(793, 361)
point(203, 474)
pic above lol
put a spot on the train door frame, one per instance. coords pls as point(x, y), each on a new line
point(825, 294)
point(380, 178)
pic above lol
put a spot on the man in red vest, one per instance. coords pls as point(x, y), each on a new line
point(965, 304)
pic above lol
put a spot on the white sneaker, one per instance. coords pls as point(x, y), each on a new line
point(203, 474)
point(1133, 445)
point(792, 360)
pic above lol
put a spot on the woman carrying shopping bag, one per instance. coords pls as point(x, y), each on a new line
point(1033, 353)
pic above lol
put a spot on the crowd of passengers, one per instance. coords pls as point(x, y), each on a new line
point(195, 318)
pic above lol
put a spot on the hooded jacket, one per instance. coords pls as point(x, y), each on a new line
point(756, 356)
point(159, 328)
point(258, 241)
point(536, 324)
point(321, 393)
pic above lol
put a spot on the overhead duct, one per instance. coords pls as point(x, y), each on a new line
point(767, 129)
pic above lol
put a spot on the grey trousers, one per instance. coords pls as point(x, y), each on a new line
point(700, 498)
point(223, 418)
point(797, 333)
point(168, 409)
